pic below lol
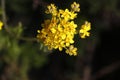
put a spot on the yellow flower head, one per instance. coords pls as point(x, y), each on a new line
point(84, 29)
point(75, 7)
point(71, 50)
point(51, 9)
point(58, 32)
point(1, 25)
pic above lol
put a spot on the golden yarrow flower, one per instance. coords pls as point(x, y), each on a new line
point(71, 50)
point(51, 9)
point(84, 29)
point(58, 32)
point(75, 7)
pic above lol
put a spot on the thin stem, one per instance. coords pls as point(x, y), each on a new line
point(107, 70)
point(27, 39)
point(4, 17)
point(6, 26)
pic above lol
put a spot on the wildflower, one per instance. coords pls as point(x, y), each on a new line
point(58, 32)
point(84, 30)
point(75, 7)
point(1, 25)
point(51, 9)
point(71, 50)
point(65, 14)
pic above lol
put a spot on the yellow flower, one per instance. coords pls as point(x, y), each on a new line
point(84, 29)
point(75, 7)
point(1, 25)
point(71, 50)
point(58, 32)
point(67, 15)
point(51, 9)
point(53, 30)
point(73, 15)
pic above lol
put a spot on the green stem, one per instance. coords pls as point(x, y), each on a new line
point(27, 39)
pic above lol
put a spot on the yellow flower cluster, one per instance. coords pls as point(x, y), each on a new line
point(84, 29)
point(58, 32)
point(1, 25)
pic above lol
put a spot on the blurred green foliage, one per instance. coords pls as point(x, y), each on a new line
point(19, 54)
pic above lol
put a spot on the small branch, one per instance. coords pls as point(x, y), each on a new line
point(4, 17)
point(6, 26)
point(27, 39)
point(107, 70)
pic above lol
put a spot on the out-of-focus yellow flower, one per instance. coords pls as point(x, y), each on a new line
point(84, 29)
point(51, 9)
point(71, 50)
point(75, 7)
point(1, 25)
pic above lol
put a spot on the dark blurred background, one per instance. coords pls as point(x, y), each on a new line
point(98, 55)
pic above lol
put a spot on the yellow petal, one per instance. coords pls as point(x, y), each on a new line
point(1, 24)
